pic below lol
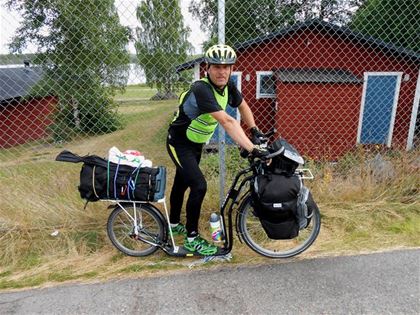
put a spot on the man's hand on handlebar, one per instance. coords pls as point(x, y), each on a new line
point(257, 137)
point(259, 152)
point(260, 149)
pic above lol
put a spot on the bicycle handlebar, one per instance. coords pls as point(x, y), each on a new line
point(270, 133)
point(264, 139)
point(274, 154)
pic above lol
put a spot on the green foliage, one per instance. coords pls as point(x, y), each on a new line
point(82, 49)
point(161, 43)
point(233, 162)
point(393, 21)
point(253, 18)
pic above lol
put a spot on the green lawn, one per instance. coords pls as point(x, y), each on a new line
point(135, 93)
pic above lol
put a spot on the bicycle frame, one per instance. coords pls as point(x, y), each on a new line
point(233, 194)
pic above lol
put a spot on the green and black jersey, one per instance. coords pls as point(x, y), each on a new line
point(193, 121)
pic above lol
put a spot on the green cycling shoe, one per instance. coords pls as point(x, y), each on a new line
point(179, 230)
point(200, 246)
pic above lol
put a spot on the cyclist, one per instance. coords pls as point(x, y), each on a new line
point(201, 108)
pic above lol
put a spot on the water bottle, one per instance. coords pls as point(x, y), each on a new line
point(215, 228)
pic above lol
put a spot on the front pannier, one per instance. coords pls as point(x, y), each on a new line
point(101, 179)
point(275, 202)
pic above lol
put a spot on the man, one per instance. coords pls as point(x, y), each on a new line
point(201, 108)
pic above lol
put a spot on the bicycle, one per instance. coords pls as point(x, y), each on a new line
point(139, 228)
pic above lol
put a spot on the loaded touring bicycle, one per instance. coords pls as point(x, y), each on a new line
point(267, 205)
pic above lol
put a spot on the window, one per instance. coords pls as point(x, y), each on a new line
point(266, 84)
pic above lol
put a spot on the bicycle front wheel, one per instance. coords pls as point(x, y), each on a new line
point(127, 227)
point(253, 234)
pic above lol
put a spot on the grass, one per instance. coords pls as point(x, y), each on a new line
point(39, 196)
point(135, 93)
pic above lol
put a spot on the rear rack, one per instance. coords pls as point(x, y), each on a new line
point(304, 173)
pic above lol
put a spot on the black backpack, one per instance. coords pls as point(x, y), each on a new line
point(101, 179)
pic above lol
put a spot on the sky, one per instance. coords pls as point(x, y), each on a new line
point(9, 22)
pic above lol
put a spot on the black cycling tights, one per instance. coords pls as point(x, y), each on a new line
point(188, 175)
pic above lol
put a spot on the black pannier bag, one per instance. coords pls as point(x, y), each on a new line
point(101, 179)
point(275, 203)
point(280, 199)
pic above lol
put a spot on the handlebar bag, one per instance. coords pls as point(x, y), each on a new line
point(102, 179)
point(288, 161)
point(275, 201)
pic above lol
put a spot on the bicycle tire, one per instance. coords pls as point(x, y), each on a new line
point(253, 234)
point(120, 228)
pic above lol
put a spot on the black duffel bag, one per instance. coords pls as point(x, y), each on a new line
point(101, 179)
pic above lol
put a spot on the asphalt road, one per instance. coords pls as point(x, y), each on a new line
point(380, 283)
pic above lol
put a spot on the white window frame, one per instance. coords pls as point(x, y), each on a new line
point(414, 112)
point(394, 105)
point(196, 71)
point(239, 75)
point(239, 87)
point(259, 94)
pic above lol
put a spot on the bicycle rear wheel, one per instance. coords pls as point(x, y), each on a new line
point(126, 233)
point(253, 234)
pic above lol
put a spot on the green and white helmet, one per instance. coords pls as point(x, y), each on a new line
point(220, 55)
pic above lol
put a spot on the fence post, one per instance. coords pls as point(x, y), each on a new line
point(222, 155)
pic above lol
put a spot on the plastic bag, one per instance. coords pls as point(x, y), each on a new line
point(131, 158)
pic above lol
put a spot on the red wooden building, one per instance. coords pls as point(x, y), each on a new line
point(22, 118)
point(326, 88)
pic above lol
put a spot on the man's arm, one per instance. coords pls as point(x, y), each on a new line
point(234, 129)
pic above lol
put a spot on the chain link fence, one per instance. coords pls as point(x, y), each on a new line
point(330, 76)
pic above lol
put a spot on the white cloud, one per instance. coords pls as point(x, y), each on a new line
point(9, 22)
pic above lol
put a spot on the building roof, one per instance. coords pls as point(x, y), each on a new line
point(188, 65)
point(17, 82)
point(333, 29)
point(319, 25)
point(320, 75)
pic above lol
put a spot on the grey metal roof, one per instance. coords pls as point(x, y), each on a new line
point(17, 82)
point(316, 76)
point(188, 65)
point(320, 25)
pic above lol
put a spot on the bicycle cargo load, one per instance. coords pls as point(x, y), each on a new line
point(102, 179)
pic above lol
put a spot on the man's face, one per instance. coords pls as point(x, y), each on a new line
point(219, 74)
